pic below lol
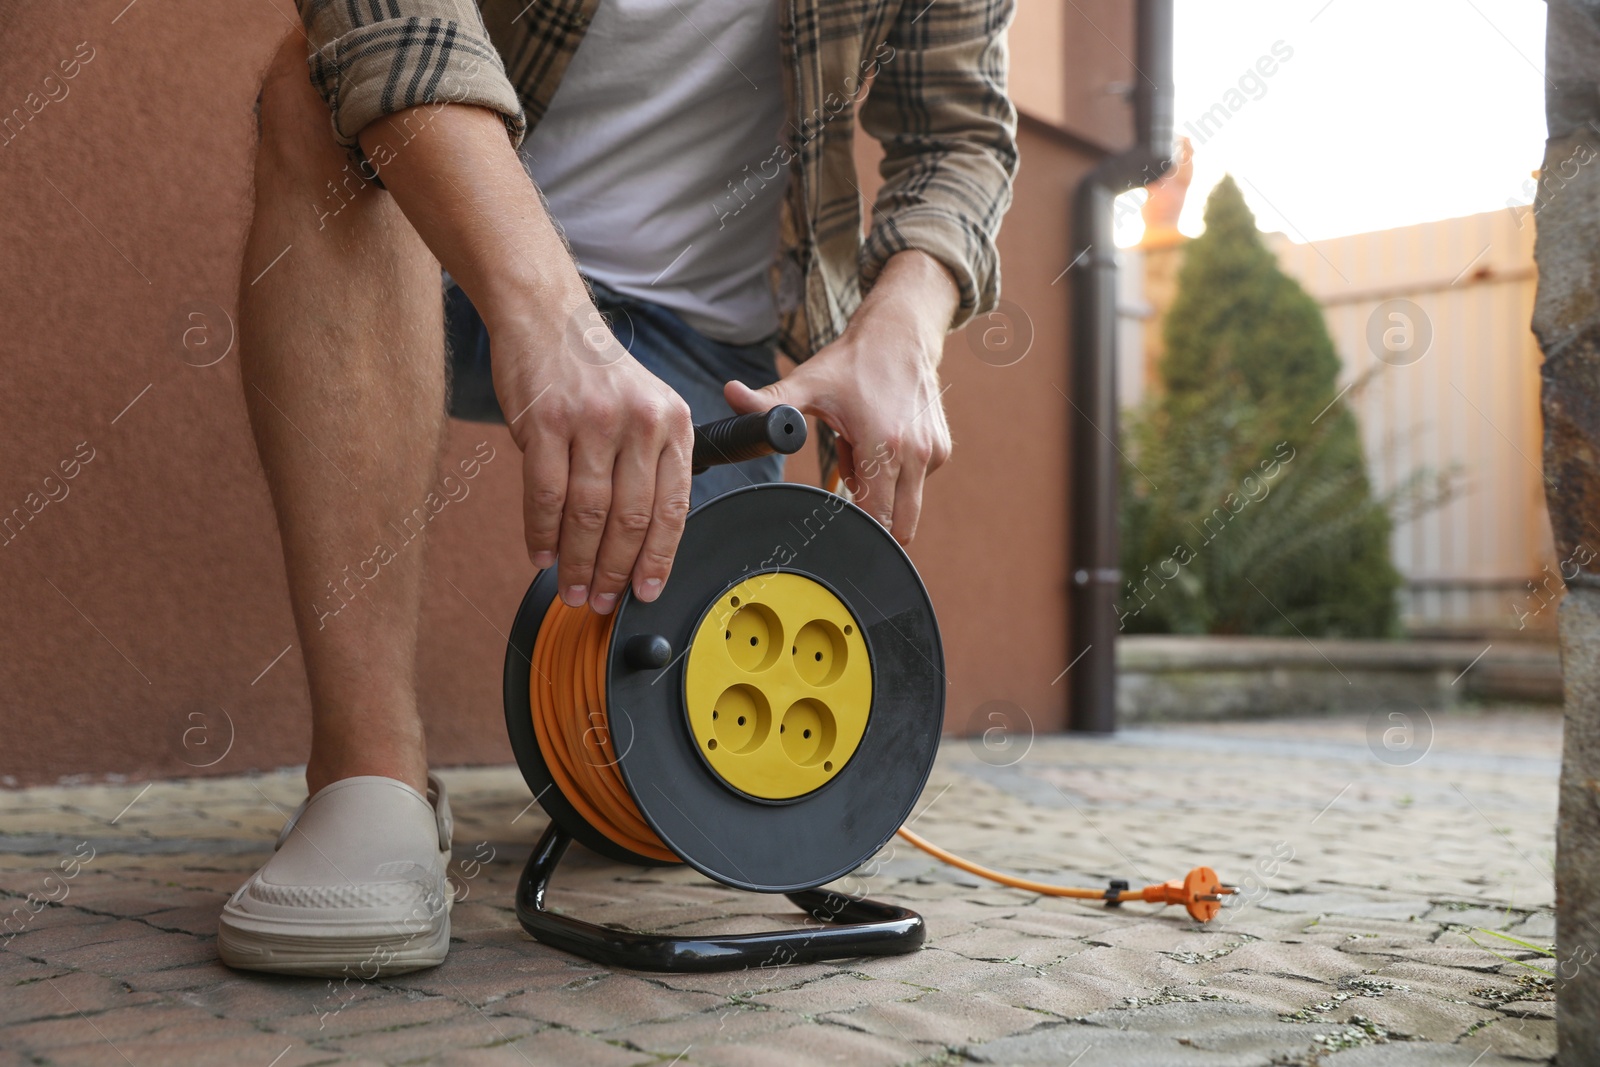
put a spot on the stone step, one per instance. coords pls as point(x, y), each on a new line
point(1162, 677)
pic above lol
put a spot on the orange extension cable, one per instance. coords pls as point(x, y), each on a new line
point(568, 695)
point(568, 692)
point(1200, 891)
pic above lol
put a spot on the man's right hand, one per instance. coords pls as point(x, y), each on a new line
point(605, 457)
point(606, 445)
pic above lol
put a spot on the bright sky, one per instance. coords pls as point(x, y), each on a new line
point(1388, 112)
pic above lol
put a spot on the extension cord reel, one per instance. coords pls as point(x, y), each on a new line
point(769, 720)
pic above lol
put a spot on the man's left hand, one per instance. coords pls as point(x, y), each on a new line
point(877, 387)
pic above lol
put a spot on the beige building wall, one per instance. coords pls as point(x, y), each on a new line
point(1452, 393)
point(1465, 406)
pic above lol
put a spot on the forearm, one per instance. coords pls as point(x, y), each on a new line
point(605, 461)
point(452, 171)
point(916, 293)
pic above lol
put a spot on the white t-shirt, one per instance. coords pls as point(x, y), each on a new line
point(653, 151)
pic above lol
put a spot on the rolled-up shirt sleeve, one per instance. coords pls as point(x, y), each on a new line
point(938, 105)
point(371, 58)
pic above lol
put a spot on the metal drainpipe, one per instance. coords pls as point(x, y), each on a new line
point(1094, 554)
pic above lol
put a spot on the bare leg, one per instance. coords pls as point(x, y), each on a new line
point(342, 344)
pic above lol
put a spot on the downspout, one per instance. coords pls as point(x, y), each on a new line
point(1093, 559)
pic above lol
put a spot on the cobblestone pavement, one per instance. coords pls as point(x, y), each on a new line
point(1379, 900)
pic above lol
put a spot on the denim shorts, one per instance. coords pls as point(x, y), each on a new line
point(694, 365)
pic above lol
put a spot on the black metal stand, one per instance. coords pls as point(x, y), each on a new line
point(850, 928)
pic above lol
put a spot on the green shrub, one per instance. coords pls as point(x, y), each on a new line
point(1246, 507)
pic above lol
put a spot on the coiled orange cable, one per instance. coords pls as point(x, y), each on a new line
point(568, 692)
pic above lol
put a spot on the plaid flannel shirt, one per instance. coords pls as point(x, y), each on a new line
point(937, 104)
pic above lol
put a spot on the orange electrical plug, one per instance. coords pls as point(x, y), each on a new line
point(1200, 892)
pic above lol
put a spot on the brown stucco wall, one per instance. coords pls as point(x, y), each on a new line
point(142, 607)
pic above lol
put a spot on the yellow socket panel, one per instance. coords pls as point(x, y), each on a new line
point(778, 686)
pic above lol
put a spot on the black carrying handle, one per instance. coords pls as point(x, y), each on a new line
point(741, 437)
point(846, 928)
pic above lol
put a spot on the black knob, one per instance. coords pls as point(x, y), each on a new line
point(741, 437)
point(647, 652)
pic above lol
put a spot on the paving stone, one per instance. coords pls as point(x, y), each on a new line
point(548, 1047)
point(743, 984)
point(56, 930)
point(1125, 965)
point(1096, 1046)
point(1418, 1054)
point(1476, 917)
point(1529, 1009)
point(177, 1050)
point(235, 995)
point(1539, 927)
point(934, 968)
point(607, 1003)
point(1277, 993)
point(1348, 904)
point(104, 894)
point(1445, 982)
point(356, 1008)
point(482, 974)
point(1475, 959)
point(1486, 941)
point(1010, 946)
point(126, 1024)
point(197, 920)
point(1336, 930)
point(1532, 1039)
point(1314, 962)
point(555, 1048)
point(722, 1025)
point(811, 1045)
point(205, 974)
point(1380, 944)
point(1215, 1025)
point(142, 955)
point(1161, 937)
point(1042, 922)
point(62, 995)
point(427, 1040)
point(1416, 1015)
point(1254, 922)
point(951, 1019)
point(1063, 993)
point(839, 992)
point(17, 971)
point(473, 916)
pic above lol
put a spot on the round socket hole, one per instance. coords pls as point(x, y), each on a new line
point(808, 732)
point(819, 652)
point(754, 637)
point(740, 719)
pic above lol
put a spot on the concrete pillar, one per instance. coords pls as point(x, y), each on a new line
point(1567, 321)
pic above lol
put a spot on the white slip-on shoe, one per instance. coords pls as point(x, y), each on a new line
point(358, 886)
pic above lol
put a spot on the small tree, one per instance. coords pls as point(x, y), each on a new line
point(1246, 504)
